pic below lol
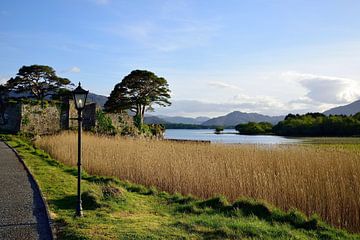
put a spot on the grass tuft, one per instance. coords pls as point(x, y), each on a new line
point(90, 200)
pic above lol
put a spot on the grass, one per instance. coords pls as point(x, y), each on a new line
point(321, 179)
point(116, 209)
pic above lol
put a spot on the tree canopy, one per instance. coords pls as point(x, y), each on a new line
point(38, 80)
point(138, 92)
point(318, 124)
point(253, 128)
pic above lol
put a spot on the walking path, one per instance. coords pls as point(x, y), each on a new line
point(22, 211)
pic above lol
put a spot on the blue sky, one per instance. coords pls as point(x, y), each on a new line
point(271, 57)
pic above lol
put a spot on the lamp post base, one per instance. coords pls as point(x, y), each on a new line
point(79, 211)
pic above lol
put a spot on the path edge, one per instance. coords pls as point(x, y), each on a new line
point(48, 220)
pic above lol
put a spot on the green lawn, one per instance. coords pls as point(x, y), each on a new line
point(114, 209)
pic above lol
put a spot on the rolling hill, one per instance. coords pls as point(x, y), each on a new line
point(349, 109)
point(236, 117)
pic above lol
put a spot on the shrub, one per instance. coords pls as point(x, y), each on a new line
point(110, 192)
point(219, 129)
point(104, 124)
point(218, 203)
point(90, 200)
point(250, 207)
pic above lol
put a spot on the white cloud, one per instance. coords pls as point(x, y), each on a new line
point(224, 85)
point(73, 69)
point(195, 108)
point(262, 104)
point(321, 93)
point(326, 89)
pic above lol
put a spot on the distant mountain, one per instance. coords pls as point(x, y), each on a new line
point(154, 120)
point(98, 99)
point(184, 120)
point(234, 118)
point(349, 109)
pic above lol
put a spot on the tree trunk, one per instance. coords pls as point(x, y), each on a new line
point(142, 114)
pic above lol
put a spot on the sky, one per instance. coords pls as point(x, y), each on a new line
point(267, 56)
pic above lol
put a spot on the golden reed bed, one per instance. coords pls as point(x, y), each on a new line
point(315, 179)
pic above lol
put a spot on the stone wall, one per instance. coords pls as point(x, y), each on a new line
point(54, 117)
point(38, 119)
point(123, 123)
point(10, 121)
point(89, 116)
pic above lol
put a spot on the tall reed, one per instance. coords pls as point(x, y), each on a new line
point(312, 178)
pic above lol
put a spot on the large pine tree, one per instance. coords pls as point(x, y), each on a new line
point(138, 92)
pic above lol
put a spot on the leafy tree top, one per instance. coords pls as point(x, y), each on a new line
point(138, 92)
point(39, 80)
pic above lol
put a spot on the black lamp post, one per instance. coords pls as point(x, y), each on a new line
point(80, 96)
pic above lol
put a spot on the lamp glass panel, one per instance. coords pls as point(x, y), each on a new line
point(80, 100)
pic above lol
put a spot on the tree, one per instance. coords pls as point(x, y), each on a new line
point(39, 80)
point(253, 128)
point(138, 92)
point(219, 129)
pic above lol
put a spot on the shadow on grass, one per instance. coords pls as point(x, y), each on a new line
point(90, 201)
point(67, 202)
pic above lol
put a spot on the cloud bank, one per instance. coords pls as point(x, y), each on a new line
point(326, 89)
point(321, 93)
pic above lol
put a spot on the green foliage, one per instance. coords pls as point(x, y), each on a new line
point(104, 124)
point(111, 192)
point(90, 200)
point(25, 120)
point(219, 129)
point(39, 80)
point(219, 203)
point(251, 207)
point(157, 130)
point(137, 121)
point(137, 92)
point(253, 128)
point(149, 130)
point(317, 124)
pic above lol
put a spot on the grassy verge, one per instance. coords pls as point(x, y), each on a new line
point(120, 210)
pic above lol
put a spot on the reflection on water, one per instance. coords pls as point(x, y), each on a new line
point(228, 136)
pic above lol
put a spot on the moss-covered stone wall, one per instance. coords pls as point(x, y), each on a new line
point(40, 119)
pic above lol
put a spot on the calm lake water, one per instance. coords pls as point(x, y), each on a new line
point(229, 136)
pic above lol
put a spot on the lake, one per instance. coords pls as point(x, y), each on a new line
point(228, 136)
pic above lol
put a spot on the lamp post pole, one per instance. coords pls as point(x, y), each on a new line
point(79, 211)
point(80, 96)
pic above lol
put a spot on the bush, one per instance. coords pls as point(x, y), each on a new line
point(219, 129)
point(250, 207)
point(90, 200)
point(104, 124)
point(218, 203)
point(110, 192)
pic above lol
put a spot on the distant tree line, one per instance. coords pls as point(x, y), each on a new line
point(318, 124)
point(253, 128)
point(307, 125)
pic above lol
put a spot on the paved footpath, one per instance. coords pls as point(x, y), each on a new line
point(22, 211)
